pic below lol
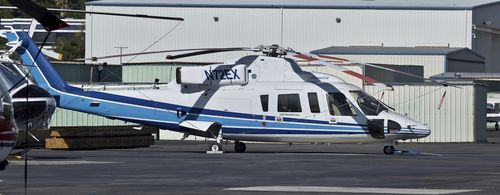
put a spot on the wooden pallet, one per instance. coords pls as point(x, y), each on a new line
point(83, 138)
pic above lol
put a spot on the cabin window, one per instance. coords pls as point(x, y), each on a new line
point(339, 105)
point(313, 102)
point(289, 103)
point(368, 104)
point(264, 101)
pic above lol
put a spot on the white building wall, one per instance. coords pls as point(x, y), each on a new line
point(301, 29)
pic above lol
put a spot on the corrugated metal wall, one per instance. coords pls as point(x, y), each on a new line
point(461, 117)
point(301, 29)
point(69, 118)
point(147, 73)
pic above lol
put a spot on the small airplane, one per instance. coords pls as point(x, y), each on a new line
point(254, 98)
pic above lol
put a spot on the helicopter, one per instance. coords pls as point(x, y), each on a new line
point(265, 98)
point(33, 105)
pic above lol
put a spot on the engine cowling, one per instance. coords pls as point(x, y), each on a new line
point(215, 75)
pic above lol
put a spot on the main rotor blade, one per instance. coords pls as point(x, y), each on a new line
point(118, 14)
point(316, 60)
point(387, 69)
point(48, 20)
point(153, 52)
point(196, 53)
point(100, 13)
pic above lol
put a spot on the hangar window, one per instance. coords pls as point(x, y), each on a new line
point(339, 105)
point(264, 101)
point(313, 102)
point(289, 103)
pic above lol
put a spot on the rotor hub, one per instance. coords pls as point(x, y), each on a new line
point(274, 50)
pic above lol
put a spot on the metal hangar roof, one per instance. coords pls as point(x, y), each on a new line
point(313, 4)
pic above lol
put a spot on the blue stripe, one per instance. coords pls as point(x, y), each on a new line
point(284, 131)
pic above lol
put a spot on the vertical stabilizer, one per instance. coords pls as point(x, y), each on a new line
point(40, 68)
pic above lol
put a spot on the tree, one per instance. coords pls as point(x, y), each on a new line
point(62, 4)
point(71, 48)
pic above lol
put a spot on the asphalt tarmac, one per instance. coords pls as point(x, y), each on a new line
point(175, 167)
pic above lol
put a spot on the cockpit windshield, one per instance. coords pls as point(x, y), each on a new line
point(368, 104)
point(339, 105)
point(10, 75)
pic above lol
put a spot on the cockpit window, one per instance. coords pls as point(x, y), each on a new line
point(10, 76)
point(339, 105)
point(368, 104)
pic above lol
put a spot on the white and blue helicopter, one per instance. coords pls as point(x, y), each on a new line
point(265, 98)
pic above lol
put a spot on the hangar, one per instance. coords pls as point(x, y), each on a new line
point(302, 25)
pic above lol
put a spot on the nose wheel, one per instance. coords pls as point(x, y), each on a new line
point(3, 164)
point(389, 149)
point(239, 147)
point(216, 147)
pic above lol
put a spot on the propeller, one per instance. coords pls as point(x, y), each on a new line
point(275, 51)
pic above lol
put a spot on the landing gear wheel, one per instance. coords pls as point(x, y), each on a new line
point(497, 127)
point(240, 147)
point(215, 147)
point(389, 149)
point(3, 164)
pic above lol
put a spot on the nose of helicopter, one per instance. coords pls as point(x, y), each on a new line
point(419, 130)
point(410, 128)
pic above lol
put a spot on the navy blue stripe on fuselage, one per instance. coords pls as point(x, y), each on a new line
point(174, 107)
point(283, 131)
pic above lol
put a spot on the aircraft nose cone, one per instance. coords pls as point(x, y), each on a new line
point(422, 130)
